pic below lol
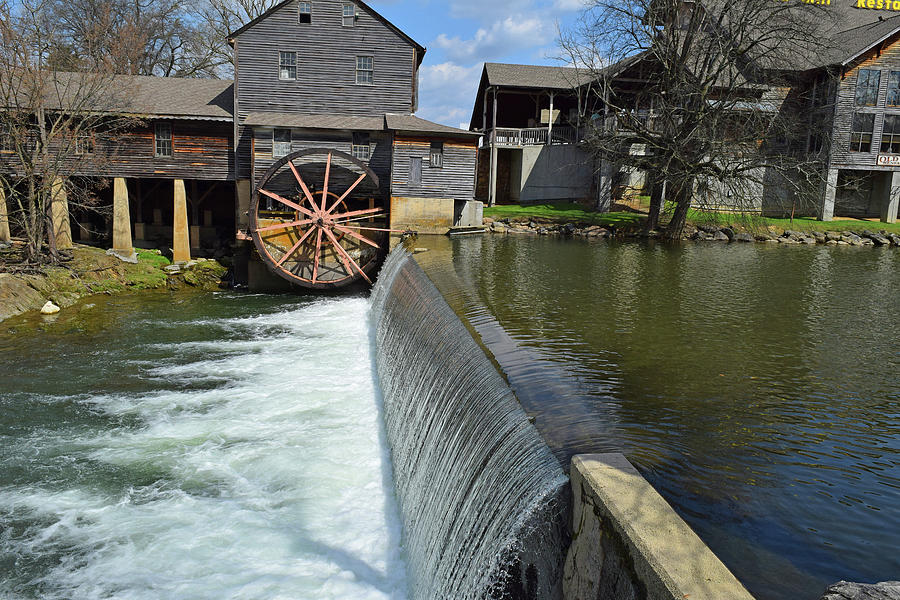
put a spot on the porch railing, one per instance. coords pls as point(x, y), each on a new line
point(535, 136)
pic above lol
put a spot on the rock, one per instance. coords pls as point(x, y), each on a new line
point(543, 231)
point(844, 590)
point(832, 236)
point(708, 228)
point(172, 269)
point(808, 240)
point(720, 236)
point(895, 239)
point(820, 237)
point(124, 256)
point(567, 229)
point(49, 308)
point(879, 239)
point(832, 243)
point(487, 221)
point(743, 237)
point(792, 234)
point(728, 231)
point(851, 238)
point(763, 237)
point(788, 240)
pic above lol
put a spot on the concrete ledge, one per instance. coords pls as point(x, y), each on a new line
point(628, 543)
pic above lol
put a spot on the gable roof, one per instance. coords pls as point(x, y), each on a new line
point(420, 49)
point(534, 76)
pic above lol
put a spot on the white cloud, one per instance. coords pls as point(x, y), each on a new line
point(504, 37)
point(447, 92)
point(569, 5)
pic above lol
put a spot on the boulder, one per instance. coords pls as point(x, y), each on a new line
point(743, 237)
point(831, 236)
point(844, 590)
point(728, 231)
point(895, 239)
point(49, 308)
point(719, 236)
point(123, 256)
point(851, 238)
point(821, 238)
point(879, 239)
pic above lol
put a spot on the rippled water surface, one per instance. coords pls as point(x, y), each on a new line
point(204, 447)
point(756, 387)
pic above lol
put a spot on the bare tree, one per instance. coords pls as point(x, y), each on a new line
point(222, 17)
point(711, 94)
point(53, 126)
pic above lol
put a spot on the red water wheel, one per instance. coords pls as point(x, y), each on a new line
point(314, 219)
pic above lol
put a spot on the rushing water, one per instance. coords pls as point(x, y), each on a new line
point(756, 387)
point(481, 492)
point(213, 446)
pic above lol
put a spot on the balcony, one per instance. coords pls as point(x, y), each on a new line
point(535, 136)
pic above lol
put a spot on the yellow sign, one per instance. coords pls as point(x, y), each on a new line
point(879, 4)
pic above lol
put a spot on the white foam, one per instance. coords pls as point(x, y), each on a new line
point(274, 485)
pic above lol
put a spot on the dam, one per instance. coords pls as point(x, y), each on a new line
point(264, 446)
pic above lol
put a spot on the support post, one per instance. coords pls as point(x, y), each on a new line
point(181, 244)
point(550, 119)
point(122, 242)
point(4, 217)
point(891, 202)
point(492, 190)
point(826, 213)
point(604, 187)
point(59, 212)
point(243, 188)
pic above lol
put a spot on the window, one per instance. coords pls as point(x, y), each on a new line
point(6, 143)
point(163, 139)
point(349, 15)
point(365, 70)
point(281, 143)
point(415, 170)
point(893, 93)
point(305, 13)
point(890, 137)
point(362, 148)
point(861, 132)
point(437, 154)
point(867, 82)
point(287, 66)
point(84, 144)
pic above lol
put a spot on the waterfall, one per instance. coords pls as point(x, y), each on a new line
point(483, 499)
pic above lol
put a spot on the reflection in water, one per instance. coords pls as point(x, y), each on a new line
point(755, 387)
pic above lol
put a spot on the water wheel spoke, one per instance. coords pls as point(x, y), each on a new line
point(287, 203)
point(347, 193)
point(296, 246)
point(346, 258)
point(353, 234)
point(325, 185)
point(303, 187)
point(285, 225)
point(318, 252)
point(356, 213)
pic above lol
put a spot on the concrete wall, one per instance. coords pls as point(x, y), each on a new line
point(553, 173)
point(628, 543)
point(425, 215)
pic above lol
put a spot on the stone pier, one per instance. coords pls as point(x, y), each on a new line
point(122, 242)
point(4, 217)
point(59, 212)
point(181, 241)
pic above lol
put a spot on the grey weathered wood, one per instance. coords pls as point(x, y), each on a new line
point(456, 179)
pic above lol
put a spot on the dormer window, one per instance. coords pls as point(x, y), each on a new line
point(305, 14)
point(287, 66)
point(349, 15)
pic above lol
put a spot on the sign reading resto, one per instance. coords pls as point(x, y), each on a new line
point(879, 4)
point(889, 160)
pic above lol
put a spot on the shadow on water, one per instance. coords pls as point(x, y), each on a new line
point(755, 387)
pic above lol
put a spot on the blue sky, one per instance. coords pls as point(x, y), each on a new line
point(461, 35)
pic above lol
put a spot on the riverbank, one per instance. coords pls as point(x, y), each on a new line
point(570, 219)
point(86, 271)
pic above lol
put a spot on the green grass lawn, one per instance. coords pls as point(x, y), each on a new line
point(576, 213)
point(561, 213)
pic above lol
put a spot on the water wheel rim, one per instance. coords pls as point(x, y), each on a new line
point(322, 220)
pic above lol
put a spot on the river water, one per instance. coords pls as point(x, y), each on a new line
point(756, 387)
point(200, 446)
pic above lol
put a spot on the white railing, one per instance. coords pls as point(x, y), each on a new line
point(535, 136)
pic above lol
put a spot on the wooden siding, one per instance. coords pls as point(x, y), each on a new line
point(201, 151)
point(456, 179)
point(326, 68)
point(326, 64)
point(887, 60)
point(304, 139)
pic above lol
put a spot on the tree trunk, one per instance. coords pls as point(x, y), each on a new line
point(657, 201)
point(679, 218)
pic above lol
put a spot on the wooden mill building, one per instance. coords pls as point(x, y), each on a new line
point(330, 74)
point(535, 118)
